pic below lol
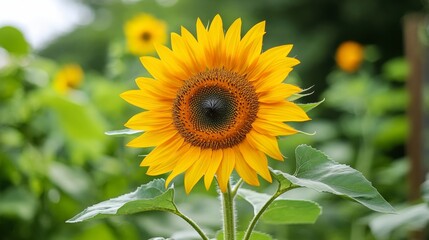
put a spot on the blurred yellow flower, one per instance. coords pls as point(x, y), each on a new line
point(69, 77)
point(349, 56)
point(142, 32)
point(215, 104)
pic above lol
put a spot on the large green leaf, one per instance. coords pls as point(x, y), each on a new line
point(148, 197)
point(282, 211)
point(292, 211)
point(256, 199)
point(316, 171)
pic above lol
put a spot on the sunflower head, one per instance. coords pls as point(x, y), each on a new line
point(349, 56)
point(142, 32)
point(215, 103)
point(69, 77)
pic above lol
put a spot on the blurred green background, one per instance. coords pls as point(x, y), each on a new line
point(55, 159)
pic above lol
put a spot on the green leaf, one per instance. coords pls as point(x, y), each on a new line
point(148, 197)
point(13, 41)
point(240, 235)
point(123, 132)
point(291, 211)
point(282, 211)
point(309, 106)
point(316, 171)
point(256, 199)
point(396, 69)
point(297, 96)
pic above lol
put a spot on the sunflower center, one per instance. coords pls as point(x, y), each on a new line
point(215, 109)
point(145, 36)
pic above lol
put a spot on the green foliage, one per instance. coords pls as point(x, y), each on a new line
point(255, 236)
point(316, 171)
point(148, 197)
point(287, 211)
point(282, 211)
point(18, 202)
point(309, 106)
point(13, 41)
point(396, 226)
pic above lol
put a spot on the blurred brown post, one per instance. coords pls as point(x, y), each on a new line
point(416, 55)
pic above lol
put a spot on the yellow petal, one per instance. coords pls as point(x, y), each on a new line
point(195, 54)
point(167, 161)
point(152, 86)
point(188, 156)
point(225, 168)
point(244, 170)
point(278, 93)
point(203, 39)
point(162, 153)
point(272, 128)
point(274, 73)
point(140, 99)
point(250, 47)
point(197, 170)
point(181, 160)
point(157, 69)
point(256, 159)
point(271, 80)
point(282, 112)
point(232, 38)
point(174, 64)
point(216, 38)
point(153, 138)
point(149, 120)
point(267, 144)
point(269, 57)
point(214, 163)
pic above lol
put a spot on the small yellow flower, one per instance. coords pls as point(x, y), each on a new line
point(69, 77)
point(142, 32)
point(215, 103)
point(349, 56)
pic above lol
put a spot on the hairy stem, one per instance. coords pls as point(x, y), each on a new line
point(236, 187)
point(228, 215)
point(255, 218)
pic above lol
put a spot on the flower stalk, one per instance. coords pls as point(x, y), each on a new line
point(228, 214)
point(193, 225)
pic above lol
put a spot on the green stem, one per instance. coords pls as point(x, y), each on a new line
point(236, 187)
point(255, 218)
point(228, 215)
point(193, 225)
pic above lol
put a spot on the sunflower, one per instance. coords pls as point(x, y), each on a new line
point(142, 32)
point(349, 56)
point(69, 77)
point(215, 103)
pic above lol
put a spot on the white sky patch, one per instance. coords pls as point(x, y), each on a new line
point(43, 20)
